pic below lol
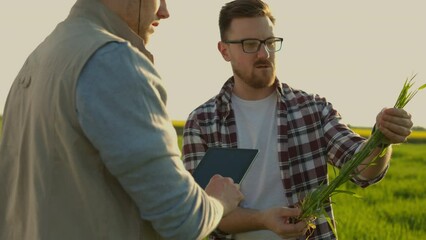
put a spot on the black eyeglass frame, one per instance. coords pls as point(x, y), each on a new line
point(277, 39)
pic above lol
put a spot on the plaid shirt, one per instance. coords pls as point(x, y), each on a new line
point(309, 135)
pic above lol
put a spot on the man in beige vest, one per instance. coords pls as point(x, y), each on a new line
point(88, 150)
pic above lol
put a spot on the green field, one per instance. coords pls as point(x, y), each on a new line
point(395, 208)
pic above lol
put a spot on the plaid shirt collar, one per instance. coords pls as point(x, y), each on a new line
point(223, 99)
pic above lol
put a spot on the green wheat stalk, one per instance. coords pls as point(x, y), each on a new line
point(313, 205)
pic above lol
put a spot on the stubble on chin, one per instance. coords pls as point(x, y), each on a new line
point(257, 81)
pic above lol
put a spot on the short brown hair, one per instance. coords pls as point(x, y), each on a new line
point(242, 9)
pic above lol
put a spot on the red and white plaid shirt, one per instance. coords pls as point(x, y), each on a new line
point(310, 135)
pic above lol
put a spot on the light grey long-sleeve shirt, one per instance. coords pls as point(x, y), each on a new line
point(121, 108)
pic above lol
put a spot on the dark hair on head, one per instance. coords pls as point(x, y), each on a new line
point(242, 9)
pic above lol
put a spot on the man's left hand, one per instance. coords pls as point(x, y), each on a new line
point(395, 124)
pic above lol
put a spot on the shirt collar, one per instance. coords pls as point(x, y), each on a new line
point(223, 99)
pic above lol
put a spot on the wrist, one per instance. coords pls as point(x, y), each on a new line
point(262, 218)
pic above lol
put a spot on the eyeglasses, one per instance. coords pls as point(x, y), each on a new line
point(252, 45)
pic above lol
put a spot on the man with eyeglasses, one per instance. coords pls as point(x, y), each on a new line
point(296, 133)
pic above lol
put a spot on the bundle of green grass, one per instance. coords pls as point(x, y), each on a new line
point(313, 205)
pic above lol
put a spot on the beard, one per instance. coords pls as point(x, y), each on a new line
point(258, 77)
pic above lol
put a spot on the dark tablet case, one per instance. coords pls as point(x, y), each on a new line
point(228, 162)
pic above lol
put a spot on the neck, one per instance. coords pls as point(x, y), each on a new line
point(247, 92)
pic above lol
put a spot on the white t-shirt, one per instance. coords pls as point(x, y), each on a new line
point(262, 187)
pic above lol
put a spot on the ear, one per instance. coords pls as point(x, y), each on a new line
point(224, 50)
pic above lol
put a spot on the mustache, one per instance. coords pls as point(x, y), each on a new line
point(263, 63)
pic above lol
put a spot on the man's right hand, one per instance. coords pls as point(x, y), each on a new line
point(278, 221)
point(226, 191)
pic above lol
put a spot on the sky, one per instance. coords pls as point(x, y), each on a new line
point(356, 54)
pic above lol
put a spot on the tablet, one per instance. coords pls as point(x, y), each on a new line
point(228, 162)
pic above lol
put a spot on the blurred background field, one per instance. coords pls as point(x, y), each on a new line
point(395, 208)
point(418, 135)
